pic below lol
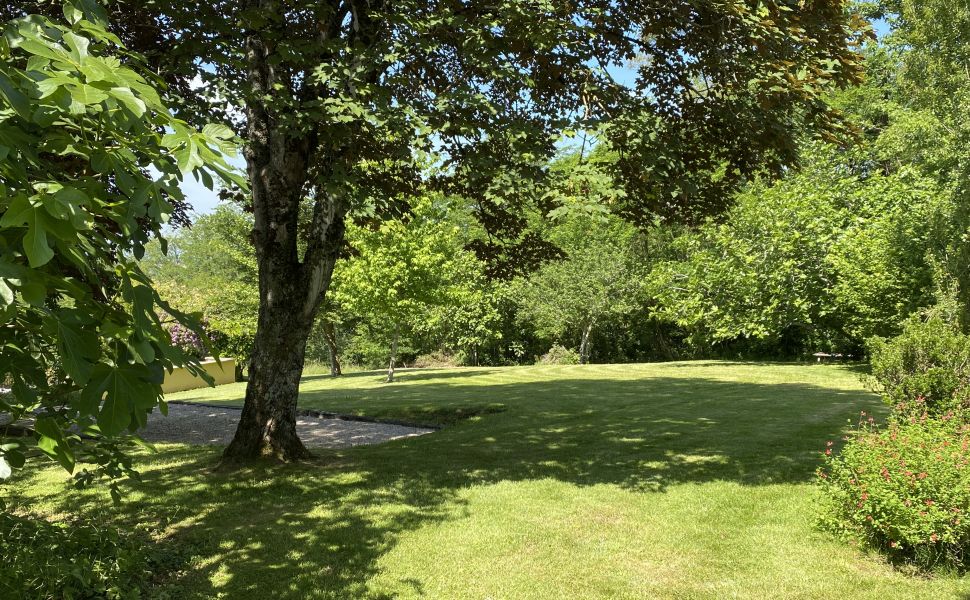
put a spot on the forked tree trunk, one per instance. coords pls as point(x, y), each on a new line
point(390, 365)
point(330, 335)
point(290, 289)
point(584, 344)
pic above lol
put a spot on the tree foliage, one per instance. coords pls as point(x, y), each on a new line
point(90, 162)
point(342, 101)
point(401, 272)
point(819, 261)
point(210, 269)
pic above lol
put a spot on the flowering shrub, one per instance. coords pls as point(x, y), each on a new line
point(924, 369)
point(190, 342)
point(903, 490)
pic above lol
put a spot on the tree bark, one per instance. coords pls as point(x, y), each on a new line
point(330, 335)
point(584, 344)
point(390, 366)
point(290, 289)
point(267, 425)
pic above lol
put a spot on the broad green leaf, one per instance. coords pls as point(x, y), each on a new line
point(37, 63)
point(72, 13)
point(38, 250)
point(78, 347)
point(33, 293)
point(133, 103)
point(78, 46)
point(14, 96)
point(15, 457)
point(53, 443)
point(21, 213)
point(218, 131)
point(118, 391)
point(87, 95)
point(6, 293)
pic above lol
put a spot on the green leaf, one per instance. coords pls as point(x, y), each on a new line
point(37, 63)
point(188, 157)
point(15, 97)
point(39, 252)
point(131, 102)
point(22, 212)
point(34, 293)
point(119, 391)
point(6, 294)
point(78, 45)
point(78, 347)
point(14, 456)
point(87, 95)
point(72, 13)
point(51, 441)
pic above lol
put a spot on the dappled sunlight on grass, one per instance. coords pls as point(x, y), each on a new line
point(617, 481)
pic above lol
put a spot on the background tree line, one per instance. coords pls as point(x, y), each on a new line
point(843, 249)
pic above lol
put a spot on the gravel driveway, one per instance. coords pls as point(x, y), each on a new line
point(194, 424)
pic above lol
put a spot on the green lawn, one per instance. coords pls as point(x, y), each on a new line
point(679, 480)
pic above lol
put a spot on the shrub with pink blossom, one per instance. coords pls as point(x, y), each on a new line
point(191, 342)
point(903, 490)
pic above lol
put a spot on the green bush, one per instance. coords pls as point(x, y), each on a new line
point(559, 355)
point(436, 360)
point(903, 490)
point(926, 368)
point(70, 560)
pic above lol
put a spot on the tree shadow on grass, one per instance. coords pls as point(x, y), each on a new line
point(319, 529)
point(405, 374)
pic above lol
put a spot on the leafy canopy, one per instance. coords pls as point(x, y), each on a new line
point(351, 97)
point(90, 163)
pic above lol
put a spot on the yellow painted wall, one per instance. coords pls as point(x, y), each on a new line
point(180, 379)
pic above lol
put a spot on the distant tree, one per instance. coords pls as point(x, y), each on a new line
point(400, 270)
point(81, 127)
point(820, 260)
point(601, 274)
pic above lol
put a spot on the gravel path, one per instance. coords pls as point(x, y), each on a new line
point(190, 424)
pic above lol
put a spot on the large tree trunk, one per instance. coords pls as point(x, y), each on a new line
point(330, 335)
point(390, 365)
point(290, 289)
point(267, 426)
point(584, 344)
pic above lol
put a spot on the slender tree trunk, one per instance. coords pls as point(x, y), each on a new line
point(390, 365)
point(584, 344)
point(330, 335)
